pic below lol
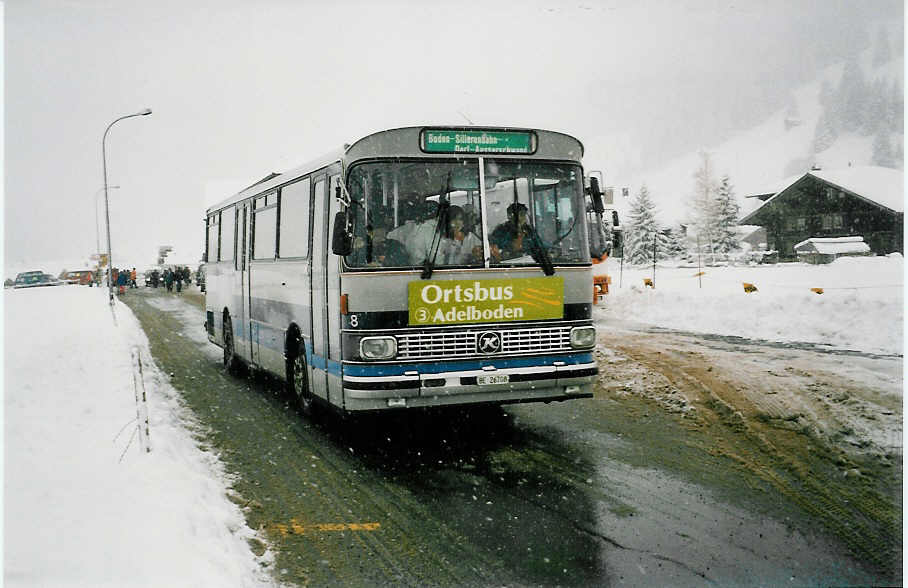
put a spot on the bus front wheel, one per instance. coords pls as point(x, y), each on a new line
point(230, 359)
point(298, 376)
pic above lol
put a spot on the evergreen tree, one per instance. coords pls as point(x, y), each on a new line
point(702, 200)
point(851, 97)
point(825, 134)
point(827, 94)
point(725, 218)
point(675, 245)
point(882, 150)
point(642, 231)
point(896, 104)
point(877, 115)
point(882, 53)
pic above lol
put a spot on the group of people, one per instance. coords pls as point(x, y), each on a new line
point(448, 237)
point(172, 277)
point(123, 279)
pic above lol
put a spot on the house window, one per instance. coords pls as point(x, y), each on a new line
point(802, 222)
point(833, 221)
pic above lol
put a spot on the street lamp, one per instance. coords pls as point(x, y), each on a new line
point(97, 230)
point(97, 277)
point(145, 112)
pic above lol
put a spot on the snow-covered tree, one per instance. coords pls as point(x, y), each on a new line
point(675, 245)
point(876, 117)
point(851, 97)
point(896, 105)
point(702, 200)
point(882, 150)
point(642, 231)
point(882, 53)
point(827, 94)
point(825, 133)
point(725, 218)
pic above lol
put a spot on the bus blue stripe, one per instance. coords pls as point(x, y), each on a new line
point(453, 366)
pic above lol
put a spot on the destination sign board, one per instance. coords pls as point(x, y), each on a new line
point(460, 141)
point(444, 302)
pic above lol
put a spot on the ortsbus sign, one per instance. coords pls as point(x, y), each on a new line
point(444, 302)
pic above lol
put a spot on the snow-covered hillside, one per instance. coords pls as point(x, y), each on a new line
point(754, 159)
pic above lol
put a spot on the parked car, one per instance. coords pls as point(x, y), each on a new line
point(35, 279)
point(82, 277)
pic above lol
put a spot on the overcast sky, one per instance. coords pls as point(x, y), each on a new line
point(243, 88)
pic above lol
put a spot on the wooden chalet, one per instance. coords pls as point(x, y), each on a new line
point(855, 201)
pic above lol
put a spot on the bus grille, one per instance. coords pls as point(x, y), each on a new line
point(447, 344)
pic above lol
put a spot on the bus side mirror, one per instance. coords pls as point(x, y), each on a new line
point(341, 238)
point(596, 195)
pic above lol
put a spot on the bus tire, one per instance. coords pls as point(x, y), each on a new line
point(298, 376)
point(231, 362)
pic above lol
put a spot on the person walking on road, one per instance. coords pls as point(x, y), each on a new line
point(178, 278)
point(168, 280)
point(122, 281)
point(132, 278)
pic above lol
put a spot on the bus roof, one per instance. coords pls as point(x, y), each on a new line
point(407, 142)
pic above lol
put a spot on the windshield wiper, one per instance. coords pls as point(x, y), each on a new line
point(428, 264)
point(539, 252)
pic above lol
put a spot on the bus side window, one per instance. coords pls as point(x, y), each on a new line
point(228, 226)
point(294, 230)
point(213, 233)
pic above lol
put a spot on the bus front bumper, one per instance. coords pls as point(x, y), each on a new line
point(417, 388)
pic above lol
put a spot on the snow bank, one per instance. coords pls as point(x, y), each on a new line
point(84, 505)
point(861, 307)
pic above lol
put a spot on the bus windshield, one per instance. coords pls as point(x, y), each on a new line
point(535, 207)
point(410, 213)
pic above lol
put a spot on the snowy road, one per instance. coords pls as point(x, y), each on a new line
point(673, 474)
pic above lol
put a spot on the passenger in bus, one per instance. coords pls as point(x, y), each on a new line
point(471, 219)
point(454, 245)
point(409, 217)
point(514, 237)
point(377, 250)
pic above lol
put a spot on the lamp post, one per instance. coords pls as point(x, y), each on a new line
point(144, 112)
point(97, 229)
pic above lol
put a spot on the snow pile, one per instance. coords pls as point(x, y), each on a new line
point(861, 306)
point(84, 504)
point(832, 245)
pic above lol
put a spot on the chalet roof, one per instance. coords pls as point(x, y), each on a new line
point(881, 186)
point(833, 245)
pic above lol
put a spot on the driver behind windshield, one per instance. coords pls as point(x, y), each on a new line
point(514, 237)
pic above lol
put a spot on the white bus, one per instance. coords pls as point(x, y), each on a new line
point(417, 267)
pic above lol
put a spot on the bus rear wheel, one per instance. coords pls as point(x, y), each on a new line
point(230, 359)
point(298, 377)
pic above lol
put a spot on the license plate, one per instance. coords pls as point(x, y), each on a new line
point(496, 379)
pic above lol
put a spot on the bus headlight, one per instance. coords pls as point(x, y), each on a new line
point(377, 347)
point(583, 337)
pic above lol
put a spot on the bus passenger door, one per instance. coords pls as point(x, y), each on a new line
point(318, 277)
point(332, 289)
point(244, 333)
